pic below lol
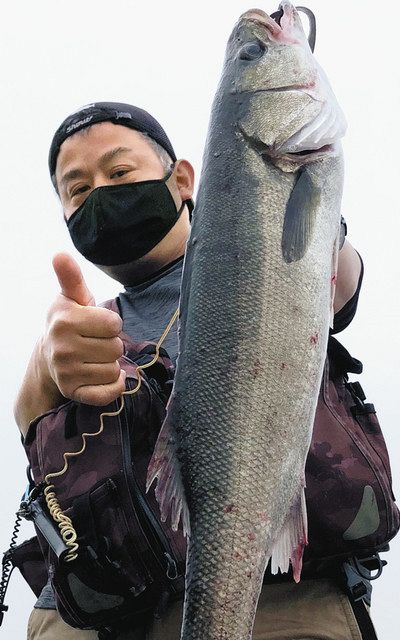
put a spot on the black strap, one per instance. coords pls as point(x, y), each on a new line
point(71, 427)
point(358, 574)
point(84, 520)
point(364, 621)
point(340, 360)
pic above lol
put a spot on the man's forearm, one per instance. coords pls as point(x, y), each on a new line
point(38, 392)
point(349, 269)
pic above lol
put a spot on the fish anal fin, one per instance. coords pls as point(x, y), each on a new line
point(165, 468)
point(289, 545)
point(301, 209)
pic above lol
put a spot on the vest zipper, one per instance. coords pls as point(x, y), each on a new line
point(149, 523)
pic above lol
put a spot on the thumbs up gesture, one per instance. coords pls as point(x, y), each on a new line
point(81, 344)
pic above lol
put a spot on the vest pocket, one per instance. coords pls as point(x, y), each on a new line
point(106, 529)
point(108, 580)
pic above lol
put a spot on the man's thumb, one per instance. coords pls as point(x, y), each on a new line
point(71, 280)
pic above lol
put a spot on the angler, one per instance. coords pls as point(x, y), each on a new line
point(125, 170)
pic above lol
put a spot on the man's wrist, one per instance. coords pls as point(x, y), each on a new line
point(38, 393)
point(47, 386)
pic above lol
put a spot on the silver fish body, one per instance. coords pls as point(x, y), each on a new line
point(256, 305)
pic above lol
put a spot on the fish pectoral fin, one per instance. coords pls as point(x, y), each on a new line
point(290, 543)
point(165, 468)
point(300, 214)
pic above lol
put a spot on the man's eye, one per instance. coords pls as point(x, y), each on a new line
point(119, 173)
point(79, 190)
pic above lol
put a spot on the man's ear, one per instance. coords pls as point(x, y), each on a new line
point(184, 176)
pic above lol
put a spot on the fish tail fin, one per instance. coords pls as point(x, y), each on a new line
point(165, 468)
point(289, 545)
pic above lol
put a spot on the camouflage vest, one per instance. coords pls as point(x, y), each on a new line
point(350, 502)
point(130, 560)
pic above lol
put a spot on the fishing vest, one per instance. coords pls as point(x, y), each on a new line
point(128, 561)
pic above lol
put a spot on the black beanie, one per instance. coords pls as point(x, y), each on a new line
point(116, 112)
point(119, 113)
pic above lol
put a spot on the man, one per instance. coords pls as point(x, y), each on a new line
point(127, 202)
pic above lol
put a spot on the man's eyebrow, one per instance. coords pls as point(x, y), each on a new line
point(106, 157)
point(70, 175)
point(109, 155)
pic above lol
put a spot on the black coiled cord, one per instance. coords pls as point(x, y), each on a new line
point(8, 566)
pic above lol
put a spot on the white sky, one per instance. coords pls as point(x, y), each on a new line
point(166, 57)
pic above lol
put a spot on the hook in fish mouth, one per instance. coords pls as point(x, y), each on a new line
point(260, 16)
point(312, 23)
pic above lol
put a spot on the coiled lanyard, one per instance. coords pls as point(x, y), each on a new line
point(63, 521)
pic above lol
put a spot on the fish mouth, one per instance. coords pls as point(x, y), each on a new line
point(277, 16)
point(273, 22)
point(261, 17)
point(256, 14)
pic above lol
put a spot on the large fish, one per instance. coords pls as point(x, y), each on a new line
point(256, 305)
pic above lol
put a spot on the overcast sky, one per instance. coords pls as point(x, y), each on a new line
point(166, 57)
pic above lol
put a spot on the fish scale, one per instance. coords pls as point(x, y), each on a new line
point(255, 311)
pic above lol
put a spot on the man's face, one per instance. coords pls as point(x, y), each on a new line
point(105, 154)
point(108, 154)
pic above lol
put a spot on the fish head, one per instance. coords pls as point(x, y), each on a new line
point(287, 109)
point(271, 53)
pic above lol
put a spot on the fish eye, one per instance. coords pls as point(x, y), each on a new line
point(252, 50)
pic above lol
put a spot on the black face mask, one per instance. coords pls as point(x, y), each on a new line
point(120, 223)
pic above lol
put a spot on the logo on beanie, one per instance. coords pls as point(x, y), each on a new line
point(123, 114)
point(78, 124)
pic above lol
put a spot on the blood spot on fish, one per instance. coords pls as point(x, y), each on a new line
point(256, 369)
point(237, 555)
point(251, 536)
point(263, 516)
point(314, 338)
point(230, 508)
point(334, 278)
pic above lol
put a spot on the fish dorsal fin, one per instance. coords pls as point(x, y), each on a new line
point(164, 467)
point(300, 216)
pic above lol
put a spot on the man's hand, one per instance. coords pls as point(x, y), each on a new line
point(77, 356)
point(81, 344)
